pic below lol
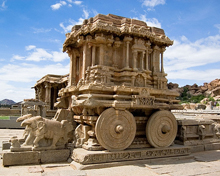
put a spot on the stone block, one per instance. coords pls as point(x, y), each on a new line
point(53, 156)
point(35, 157)
point(21, 158)
point(6, 145)
point(197, 148)
point(213, 146)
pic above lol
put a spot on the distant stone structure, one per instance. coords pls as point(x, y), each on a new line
point(46, 94)
point(47, 88)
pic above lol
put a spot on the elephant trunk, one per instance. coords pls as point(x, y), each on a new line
point(25, 123)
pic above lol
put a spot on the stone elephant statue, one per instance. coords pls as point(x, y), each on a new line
point(41, 128)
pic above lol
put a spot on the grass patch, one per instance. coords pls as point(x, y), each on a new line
point(4, 117)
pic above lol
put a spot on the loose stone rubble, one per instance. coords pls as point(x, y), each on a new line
point(116, 105)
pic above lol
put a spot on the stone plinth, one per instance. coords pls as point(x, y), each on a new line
point(196, 131)
point(94, 157)
point(35, 157)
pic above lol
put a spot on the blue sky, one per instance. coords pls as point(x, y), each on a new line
point(32, 33)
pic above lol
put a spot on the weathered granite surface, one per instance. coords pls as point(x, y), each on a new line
point(35, 157)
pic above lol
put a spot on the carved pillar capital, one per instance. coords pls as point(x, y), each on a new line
point(163, 49)
point(117, 43)
point(47, 85)
point(69, 51)
point(127, 39)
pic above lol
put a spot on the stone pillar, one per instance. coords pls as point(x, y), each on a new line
point(156, 59)
point(146, 61)
point(132, 80)
point(161, 63)
point(127, 40)
point(72, 70)
point(84, 59)
point(55, 94)
point(127, 55)
point(72, 75)
point(135, 54)
point(48, 94)
point(142, 60)
point(101, 57)
point(114, 56)
point(93, 55)
point(148, 51)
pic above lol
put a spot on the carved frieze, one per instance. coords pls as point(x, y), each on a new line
point(127, 155)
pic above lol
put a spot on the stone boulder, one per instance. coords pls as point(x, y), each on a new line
point(201, 106)
point(171, 85)
point(216, 92)
point(213, 84)
point(185, 105)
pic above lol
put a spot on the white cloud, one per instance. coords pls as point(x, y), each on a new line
point(184, 59)
point(77, 2)
point(72, 23)
point(30, 47)
point(66, 28)
point(58, 5)
point(18, 87)
point(30, 72)
point(197, 75)
point(16, 93)
point(86, 13)
point(150, 21)
point(217, 26)
point(63, 2)
point(41, 30)
point(153, 22)
point(184, 39)
point(3, 6)
point(59, 56)
point(39, 54)
point(94, 12)
point(153, 3)
point(16, 57)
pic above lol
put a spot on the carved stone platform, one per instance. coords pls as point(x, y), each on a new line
point(84, 157)
point(35, 157)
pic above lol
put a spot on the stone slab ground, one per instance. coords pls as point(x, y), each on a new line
point(201, 163)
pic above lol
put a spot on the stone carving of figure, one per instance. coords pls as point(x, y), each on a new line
point(41, 133)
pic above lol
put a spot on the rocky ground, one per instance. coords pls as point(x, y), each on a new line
point(198, 97)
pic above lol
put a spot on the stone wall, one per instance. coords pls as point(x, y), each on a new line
point(10, 112)
point(11, 123)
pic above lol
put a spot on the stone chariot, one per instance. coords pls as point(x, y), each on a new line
point(117, 86)
point(116, 99)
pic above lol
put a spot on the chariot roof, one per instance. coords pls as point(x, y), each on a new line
point(118, 26)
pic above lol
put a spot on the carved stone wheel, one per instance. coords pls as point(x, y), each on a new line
point(115, 129)
point(161, 129)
